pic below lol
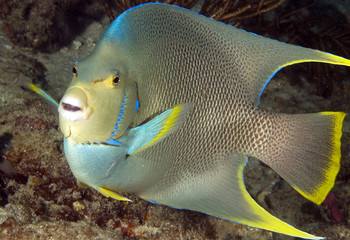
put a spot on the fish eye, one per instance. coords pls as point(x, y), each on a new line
point(113, 80)
point(75, 72)
point(116, 80)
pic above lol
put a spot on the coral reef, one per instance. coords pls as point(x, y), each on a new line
point(46, 25)
point(313, 25)
point(230, 11)
point(221, 10)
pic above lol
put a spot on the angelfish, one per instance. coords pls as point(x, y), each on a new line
point(166, 107)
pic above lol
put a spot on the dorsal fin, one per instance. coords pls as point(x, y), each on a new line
point(269, 56)
point(258, 58)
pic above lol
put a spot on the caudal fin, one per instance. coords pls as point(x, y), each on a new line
point(305, 151)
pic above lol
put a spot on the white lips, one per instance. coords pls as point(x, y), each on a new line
point(73, 106)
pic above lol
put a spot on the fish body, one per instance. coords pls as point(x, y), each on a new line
point(97, 164)
point(157, 56)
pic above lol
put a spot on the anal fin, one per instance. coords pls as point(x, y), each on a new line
point(221, 192)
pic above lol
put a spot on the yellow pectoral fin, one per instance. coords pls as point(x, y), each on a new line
point(157, 129)
point(109, 193)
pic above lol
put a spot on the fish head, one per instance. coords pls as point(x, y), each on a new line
point(101, 100)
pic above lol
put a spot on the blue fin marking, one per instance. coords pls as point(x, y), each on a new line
point(268, 80)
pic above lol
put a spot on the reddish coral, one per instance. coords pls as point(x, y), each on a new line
point(331, 202)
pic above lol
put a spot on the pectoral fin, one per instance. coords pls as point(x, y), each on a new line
point(157, 129)
point(109, 193)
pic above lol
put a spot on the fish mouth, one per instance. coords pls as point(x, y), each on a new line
point(70, 108)
point(73, 106)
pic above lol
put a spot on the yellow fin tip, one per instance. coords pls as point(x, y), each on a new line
point(167, 126)
point(320, 193)
point(112, 194)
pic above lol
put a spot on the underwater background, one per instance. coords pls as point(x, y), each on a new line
point(39, 197)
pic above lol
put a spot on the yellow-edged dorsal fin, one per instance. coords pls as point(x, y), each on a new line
point(269, 56)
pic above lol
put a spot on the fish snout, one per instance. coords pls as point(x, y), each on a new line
point(73, 106)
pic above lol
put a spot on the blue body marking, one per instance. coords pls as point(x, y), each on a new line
point(121, 113)
point(137, 105)
point(113, 142)
point(268, 80)
point(245, 164)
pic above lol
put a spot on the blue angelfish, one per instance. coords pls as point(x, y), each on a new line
point(166, 107)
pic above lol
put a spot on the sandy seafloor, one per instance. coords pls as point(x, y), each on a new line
point(42, 200)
